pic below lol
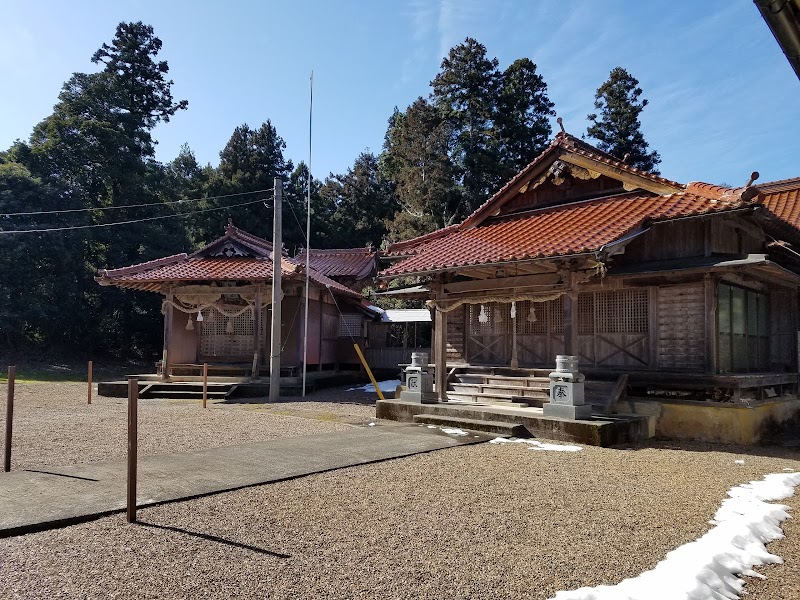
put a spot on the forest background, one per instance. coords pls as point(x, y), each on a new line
point(85, 192)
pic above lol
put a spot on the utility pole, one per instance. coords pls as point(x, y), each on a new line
point(277, 253)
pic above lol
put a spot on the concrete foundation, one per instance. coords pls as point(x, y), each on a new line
point(601, 431)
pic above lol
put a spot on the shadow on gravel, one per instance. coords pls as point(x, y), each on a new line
point(214, 538)
point(365, 398)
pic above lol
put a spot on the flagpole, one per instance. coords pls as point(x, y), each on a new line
point(308, 234)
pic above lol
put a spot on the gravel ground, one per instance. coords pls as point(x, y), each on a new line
point(486, 521)
point(53, 425)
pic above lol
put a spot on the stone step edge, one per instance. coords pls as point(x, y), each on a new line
point(514, 429)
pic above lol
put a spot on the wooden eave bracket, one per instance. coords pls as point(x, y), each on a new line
point(630, 181)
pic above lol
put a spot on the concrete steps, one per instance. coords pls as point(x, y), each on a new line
point(496, 427)
point(186, 391)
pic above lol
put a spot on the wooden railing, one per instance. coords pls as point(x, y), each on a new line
point(390, 358)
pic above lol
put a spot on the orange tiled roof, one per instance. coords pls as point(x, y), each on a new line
point(351, 262)
point(569, 143)
point(558, 230)
point(199, 266)
point(782, 198)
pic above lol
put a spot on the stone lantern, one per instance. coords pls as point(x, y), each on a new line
point(419, 383)
point(567, 391)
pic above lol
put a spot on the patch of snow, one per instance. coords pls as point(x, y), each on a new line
point(371, 424)
point(554, 447)
point(389, 385)
point(789, 470)
point(536, 444)
point(739, 462)
point(454, 431)
point(711, 566)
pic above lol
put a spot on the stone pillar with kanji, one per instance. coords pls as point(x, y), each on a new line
point(567, 397)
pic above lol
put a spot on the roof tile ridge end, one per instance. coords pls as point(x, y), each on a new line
point(150, 264)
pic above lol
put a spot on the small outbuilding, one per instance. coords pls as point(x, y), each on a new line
point(216, 306)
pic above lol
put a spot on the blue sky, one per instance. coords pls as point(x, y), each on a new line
point(723, 99)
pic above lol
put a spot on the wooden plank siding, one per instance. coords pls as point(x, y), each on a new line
point(681, 327)
point(456, 331)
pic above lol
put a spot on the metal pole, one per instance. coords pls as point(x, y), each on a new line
point(308, 237)
point(133, 401)
point(90, 383)
point(12, 375)
point(277, 253)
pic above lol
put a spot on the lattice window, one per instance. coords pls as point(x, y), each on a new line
point(498, 315)
point(586, 314)
point(622, 311)
point(217, 340)
point(350, 325)
point(555, 309)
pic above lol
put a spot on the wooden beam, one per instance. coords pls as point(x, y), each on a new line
point(501, 283)
point(570, 303)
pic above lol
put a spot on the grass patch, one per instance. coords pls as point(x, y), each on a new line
point(54, 372)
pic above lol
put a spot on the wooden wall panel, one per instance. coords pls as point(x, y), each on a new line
point(681, 328)
point(782, 324)
point(455, 336)
point(183, 343)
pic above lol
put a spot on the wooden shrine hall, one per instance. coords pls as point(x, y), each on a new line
point(689, 290)
point(216, 310)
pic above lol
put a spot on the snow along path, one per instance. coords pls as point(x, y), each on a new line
point(709, 567)
point(389, 385)
point(537, 445)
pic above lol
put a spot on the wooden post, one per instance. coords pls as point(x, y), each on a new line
point(90, 382)
point(12, 375)
point(277, 252)
point(133, 401)
point(205, 383)
point(167, 332)
point(440, 352)
point(514, 352)
point(257, 335)
point(570, 324)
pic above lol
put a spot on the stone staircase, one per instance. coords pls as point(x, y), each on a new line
point(499, 428)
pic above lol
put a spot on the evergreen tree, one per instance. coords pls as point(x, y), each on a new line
point(617, 128)
point(250, 161)
point(97, 149)
point(523, 127)
point(465, 92)
point(363, 203)
point(416, 158)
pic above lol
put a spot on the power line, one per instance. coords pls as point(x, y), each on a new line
point(116, 223)
point(170, 202)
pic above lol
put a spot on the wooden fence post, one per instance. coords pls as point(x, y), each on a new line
point(205, 383)
point(90, 383)
point(12, 375)
point(133, 400)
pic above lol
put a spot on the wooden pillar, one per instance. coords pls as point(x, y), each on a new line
point(570, 300)
point(167, 334)
point(440, 350)
point(257, 334)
